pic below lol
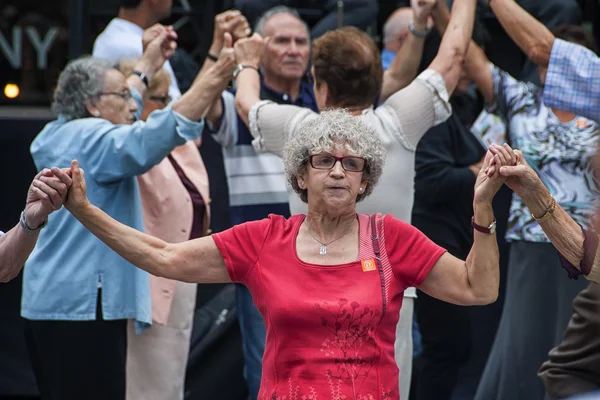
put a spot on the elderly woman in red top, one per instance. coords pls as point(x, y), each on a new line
point(328, 284)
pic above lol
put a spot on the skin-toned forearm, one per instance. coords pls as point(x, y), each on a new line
point(482, 263)
point(15, 247)
point(477, 63)
point(204, 92)
point(562, 230)
point(454, 45)
point(403, 69)
point(534, 39)
point(247, 92)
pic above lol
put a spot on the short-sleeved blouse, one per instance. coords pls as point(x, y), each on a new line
point(560, 153)
point(330, 328)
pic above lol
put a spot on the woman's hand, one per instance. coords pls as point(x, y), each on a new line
point(77, 198)
point(47, 193)
point(232, 22)
point(521, 178)
point(489, 179)
point(226, 63)
point(249, 51)
point(160, 45)
point(421, 11)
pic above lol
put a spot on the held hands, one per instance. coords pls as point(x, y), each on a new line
point(421, 11)
point(249, 51)
point(77, 198)
point(489, 179)
point(232, 22)
point(521, 178)
point(160, 43)
point(47, 193)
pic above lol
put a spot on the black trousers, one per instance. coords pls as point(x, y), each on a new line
point(75, 360)
point(446, 339)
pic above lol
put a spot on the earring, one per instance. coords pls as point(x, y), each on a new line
point(96, 113)
point(361, 190)
point(301, 185)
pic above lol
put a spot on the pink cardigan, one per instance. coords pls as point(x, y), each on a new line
point(168, 213)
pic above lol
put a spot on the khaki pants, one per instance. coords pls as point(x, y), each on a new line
point(157, 358)
point(403, 348)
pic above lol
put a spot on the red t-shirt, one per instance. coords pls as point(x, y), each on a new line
point(327, 333)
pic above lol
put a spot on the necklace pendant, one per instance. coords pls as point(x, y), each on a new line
point(323, 250)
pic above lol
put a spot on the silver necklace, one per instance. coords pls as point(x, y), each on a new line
point(323, 249)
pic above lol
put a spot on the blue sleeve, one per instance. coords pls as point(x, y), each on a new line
point(573, 80)
point(114, 152)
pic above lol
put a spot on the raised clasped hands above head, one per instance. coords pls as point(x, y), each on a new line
point(232, 22)
point(159, 43)
point(250, 50)
point(421, 12)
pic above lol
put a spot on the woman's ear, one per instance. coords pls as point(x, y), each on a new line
point(92, 109)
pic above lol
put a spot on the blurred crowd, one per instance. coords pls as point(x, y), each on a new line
point(182, 150)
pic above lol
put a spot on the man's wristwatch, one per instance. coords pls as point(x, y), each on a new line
point(142, 76)
point(27, 229)
point(489, 230)
point(240, 67)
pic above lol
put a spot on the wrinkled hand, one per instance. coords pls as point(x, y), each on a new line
point(232, 22)
point(489, 180)
point(154, 31)
point(422, 10)
point(249, 51)
point(226, 62)
point(161, 48)
point(47, 193)
point(521, 178)
point(77, 196)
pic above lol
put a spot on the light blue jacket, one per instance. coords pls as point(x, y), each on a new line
point(69, 264)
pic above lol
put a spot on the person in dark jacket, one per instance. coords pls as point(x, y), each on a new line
point(448, 160)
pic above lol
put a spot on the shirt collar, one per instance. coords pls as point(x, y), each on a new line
point(305, 95)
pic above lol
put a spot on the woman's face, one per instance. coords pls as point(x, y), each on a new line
point(334, 187)
point(115, 103)
point(156, 100)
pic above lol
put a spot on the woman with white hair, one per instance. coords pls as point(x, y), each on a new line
point(329, 284)
point(77, 294)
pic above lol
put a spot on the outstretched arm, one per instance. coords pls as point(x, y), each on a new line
point(46, 194)
point(453, 48)
point(197, 260)
point(534, 39)
point(403, 69)
point(477, 62)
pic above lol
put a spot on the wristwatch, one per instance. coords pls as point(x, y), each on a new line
point(27, 229)
point(489, 230)
point(142, 76)
point(240, 67)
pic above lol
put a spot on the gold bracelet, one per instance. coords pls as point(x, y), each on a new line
point(549, 212)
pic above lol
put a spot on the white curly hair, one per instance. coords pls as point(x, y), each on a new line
point(330, 129)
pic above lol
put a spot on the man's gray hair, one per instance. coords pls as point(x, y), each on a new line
point(328, 130)
point(259, 27)
point(78, 85)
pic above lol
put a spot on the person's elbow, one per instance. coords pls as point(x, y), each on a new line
point(8, 274)
point(539, 53)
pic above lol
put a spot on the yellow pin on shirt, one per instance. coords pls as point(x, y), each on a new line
point(368, 265)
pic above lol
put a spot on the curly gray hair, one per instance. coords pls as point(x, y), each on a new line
point(79, 84)
point(321, 134)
